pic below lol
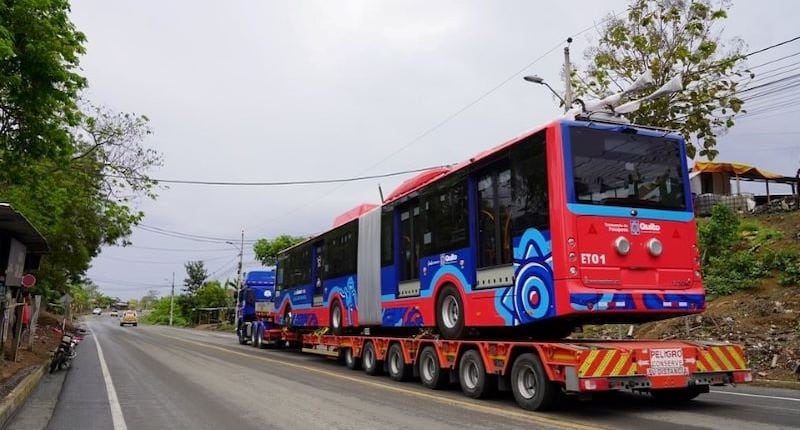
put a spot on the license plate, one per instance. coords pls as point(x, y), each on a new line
point(666, 362)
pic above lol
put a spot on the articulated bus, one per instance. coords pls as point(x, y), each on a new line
point(569, 224)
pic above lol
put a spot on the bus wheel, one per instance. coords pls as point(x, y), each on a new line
point(532, 390)
point(352, 362)
point(396, 364)
point(450, 313)
point(472, 375)
point(336, 318)
point(430, 371)
point(369, 360)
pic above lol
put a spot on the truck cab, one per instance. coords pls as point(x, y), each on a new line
point(256, 307)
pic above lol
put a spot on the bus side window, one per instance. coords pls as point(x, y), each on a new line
point(530, 201)
point(411, 235)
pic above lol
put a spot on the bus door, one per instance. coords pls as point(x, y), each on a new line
point(410, 237)
point(317, 272)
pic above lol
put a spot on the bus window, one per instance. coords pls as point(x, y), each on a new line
point(447, 218)
point(487, 237)
point(387, 236)
point(530, 199)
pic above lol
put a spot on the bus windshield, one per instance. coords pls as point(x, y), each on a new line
point(611, 168)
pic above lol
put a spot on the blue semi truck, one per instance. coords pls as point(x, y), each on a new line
point(256, 307)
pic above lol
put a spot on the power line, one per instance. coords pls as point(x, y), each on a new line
point(189, 236)
point(178, 249)
point(125, 260)
point(775, 60)
point(773, 46)
point(285, 183)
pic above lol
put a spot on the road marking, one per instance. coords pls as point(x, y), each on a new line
point(503, 412)
point(113, 401)
point(756, 395)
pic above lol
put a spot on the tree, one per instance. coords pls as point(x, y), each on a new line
point(148, 300)
point(211, 295)
point(77, 205)
point(267, 250)
point(196, 275)
point(39, 83)
point(670, 37)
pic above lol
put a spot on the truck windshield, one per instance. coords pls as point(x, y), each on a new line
point(626, 169)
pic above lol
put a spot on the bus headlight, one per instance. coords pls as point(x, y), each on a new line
point(655, 247)
point(622, 245)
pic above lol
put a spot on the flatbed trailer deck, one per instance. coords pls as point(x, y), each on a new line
point(537, 372)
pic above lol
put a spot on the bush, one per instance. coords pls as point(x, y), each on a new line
point(719, 233)
point(731, 272)
point(160, 314)
point(787, 263)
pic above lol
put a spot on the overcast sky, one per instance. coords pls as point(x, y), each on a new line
point(297, 90)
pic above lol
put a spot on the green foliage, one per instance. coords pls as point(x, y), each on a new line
point(787, 263)
point(160, 314)
point(731, 272)
point(267, 250)
point(149, 300)
point(196, 275)
point(211, 295)
point(668, 38)
point(39, 83)
point(719, 233)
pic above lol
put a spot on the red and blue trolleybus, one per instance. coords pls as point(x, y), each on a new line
point(572, 223)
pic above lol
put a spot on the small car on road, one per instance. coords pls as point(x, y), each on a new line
point(97, 311)
point(129, 317)
point(113, 313)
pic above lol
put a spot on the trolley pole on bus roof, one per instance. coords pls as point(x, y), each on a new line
point(567, 78)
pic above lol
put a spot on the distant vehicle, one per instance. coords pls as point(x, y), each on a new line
point(129, 317)
point(113, 313)
point(97, 311)
point(256, 307)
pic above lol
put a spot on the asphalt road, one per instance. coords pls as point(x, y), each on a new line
point(167, 378)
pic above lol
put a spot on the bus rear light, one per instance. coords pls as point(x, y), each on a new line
point(622, 245)
point(595, 384)
point(655, 247)
point(571, 242)
point(572, 256)
point(573, 271)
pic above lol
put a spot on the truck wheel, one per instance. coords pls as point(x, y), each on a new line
point(242, 339)
point(336, 318)
point(369, 360)
point(450, 313)
point(259, 338)
point(396, 364)
point(532, 390)
point(430, 371)
point(253, 336)
point(472, 376)
point(352, 362)
point(676, 395)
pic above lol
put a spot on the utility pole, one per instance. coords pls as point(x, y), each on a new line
point(239, 282)
point(567, 78)
point(172, 299)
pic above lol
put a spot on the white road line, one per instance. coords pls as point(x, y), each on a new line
point(116, 409)
point(756, 395)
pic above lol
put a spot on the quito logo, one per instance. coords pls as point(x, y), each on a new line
point(649, 227)
point(447, 258)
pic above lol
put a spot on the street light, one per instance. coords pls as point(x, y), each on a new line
point(538, 80)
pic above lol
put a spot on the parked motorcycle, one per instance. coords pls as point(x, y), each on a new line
point(65, 353)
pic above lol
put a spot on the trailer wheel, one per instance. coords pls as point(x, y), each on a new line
point(396, 364)
point(351, 361)
point(336, 318)
point(450, 313)
point(676, 395)
point(430, 371)
point(532, 390)
point(369, 360)
point(472, 376)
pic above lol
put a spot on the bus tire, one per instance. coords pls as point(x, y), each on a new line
point(532, 390)
point(351, 361)
point(450, 313)
point(336, 318)
point(430, 370)
point(396, 364)
point(475, 383)
point(369, 360)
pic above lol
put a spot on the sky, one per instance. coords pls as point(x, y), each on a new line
point(305, 90)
